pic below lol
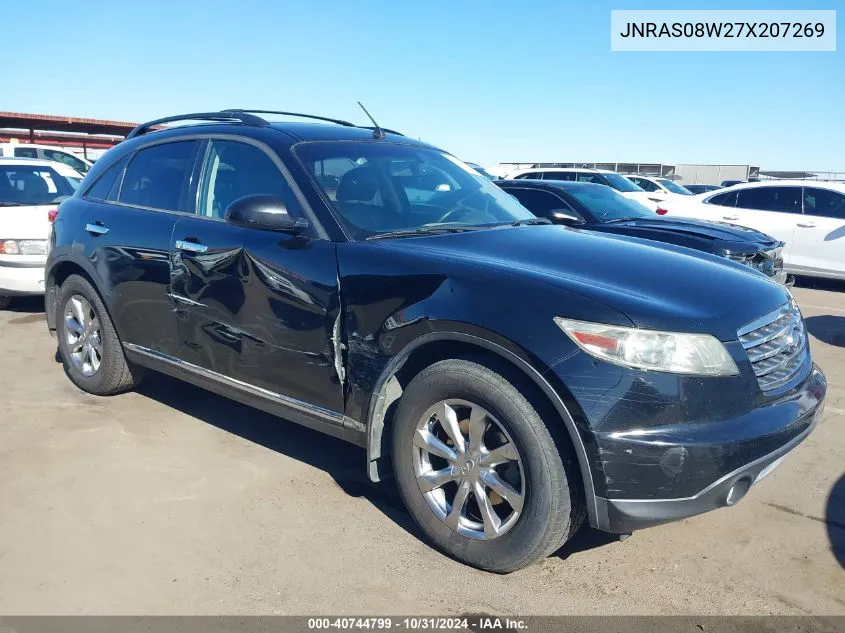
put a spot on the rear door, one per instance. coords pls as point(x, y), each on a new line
point(819, 242)
point(253, 305)
point(772, 210)
point(134, 206)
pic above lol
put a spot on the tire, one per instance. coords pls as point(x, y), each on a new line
point(5, 302)
point(552, 506)
point(113, 374)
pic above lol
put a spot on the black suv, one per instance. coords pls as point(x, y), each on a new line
point(519, 376)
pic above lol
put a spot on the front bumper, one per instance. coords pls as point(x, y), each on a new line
point(24, 277)
point(624, 515)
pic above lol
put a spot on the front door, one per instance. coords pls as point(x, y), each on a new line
point(256, 306)
point(772, 210)
point(819, 243)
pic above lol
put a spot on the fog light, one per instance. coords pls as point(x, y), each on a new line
point(737, 491)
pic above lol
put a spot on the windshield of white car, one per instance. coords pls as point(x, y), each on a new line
point(391, 188)
point(674, 187)
point(23, 185)
point(607, 205)
point(620, 183)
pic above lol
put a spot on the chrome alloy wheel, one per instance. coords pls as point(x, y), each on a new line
point(468, 469)
point(82, 335)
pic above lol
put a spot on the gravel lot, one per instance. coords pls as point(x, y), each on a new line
point(172, 500)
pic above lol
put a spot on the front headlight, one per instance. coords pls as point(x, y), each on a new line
point(677, 353)
point(23, 247)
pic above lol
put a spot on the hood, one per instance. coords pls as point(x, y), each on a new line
point(658, 287)
point(724, 236)
point(25, 223)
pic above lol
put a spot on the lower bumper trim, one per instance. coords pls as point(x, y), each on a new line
point(621, 516)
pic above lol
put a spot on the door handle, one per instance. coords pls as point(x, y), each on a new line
point(807, 225)
point(96, 229)
point(191, 247)
point(730, 217)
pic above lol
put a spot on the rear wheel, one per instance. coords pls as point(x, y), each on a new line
point(91, 352)
point(479, 470)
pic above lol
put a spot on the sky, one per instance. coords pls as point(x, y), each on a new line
point(490, 81)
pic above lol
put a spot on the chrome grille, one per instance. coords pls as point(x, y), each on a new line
point(776, 345)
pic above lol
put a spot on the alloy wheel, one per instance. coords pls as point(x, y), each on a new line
point(82, 335)
point(468, 469)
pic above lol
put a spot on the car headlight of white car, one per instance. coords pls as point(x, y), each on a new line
point(23, 247)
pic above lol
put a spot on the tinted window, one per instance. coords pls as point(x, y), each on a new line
point(67, 159)
point(108, 184)
point(824, 202)
point(607, 204)
point(618, 182)
point(585, 176)
point(233, 170)
point(32, 185)
point(558, 175)
point(727, 199)
point(159, 177)
point(783, 199)
point(534, 175)
point(377, 194)
point(540, 203)
point(26, 152)
point(674, 187)
point(644, 184)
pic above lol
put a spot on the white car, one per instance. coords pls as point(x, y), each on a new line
point(599, 176)
point(45, 152)
point(808, 216)
point(660, 188)
point(29, 190)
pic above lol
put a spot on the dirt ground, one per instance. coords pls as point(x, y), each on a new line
point(172, 500)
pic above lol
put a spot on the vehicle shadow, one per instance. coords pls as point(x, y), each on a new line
point(835, 520)
point(827, 328)
point(344, 462)
point(820, 283)
point(585, 539)
point(27, 305)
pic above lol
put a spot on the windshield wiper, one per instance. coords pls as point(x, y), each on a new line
point(630, 217)
point(425, 230)
point(531, 222)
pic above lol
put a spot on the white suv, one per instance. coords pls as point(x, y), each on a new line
point(598, 176)
point(45, 152)
point(808, 216)
point(659, 188)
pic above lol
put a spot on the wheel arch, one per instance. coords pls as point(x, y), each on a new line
point(435, 346)
point(57, 274)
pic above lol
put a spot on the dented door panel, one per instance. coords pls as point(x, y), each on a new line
point(260, 307)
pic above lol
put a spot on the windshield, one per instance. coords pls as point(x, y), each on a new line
point(620, 183)
point(604, 203)
point(32, 185)
point(674, 187)
point(379, 187)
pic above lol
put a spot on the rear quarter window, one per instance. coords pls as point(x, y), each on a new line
point(107, 185)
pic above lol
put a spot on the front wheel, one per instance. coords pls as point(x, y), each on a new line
point(479, 470)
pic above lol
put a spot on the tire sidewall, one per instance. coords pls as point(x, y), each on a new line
point(543, 502)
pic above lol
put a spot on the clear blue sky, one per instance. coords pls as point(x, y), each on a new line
point(489, 81)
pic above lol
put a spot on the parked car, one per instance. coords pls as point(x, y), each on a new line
point(29, 190)
point(599, 208)
point(701, 188)
point(517, 376)
point(46, 152)
point(483, 172)
point(598, 176)
point(808, 216)
point(731, 183)
point(659, 188)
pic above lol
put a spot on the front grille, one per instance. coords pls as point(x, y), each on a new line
point(776, 345)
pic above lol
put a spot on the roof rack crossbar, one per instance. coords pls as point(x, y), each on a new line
point(224, 115)
point(296, 114)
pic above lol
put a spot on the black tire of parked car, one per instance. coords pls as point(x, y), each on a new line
point(553, 508)
point(116, 374)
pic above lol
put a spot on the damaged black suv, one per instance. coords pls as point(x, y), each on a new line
point(517, 376)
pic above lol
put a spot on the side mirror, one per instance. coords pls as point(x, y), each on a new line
point(564, 216)
point(263, 211)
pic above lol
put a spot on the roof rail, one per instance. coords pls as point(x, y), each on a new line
point(296, 114)
point(224, 115)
